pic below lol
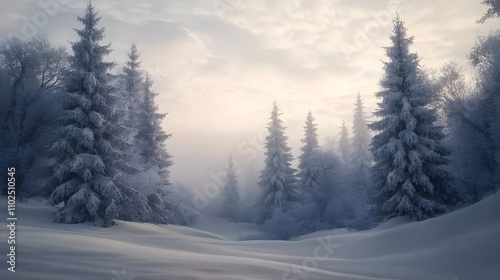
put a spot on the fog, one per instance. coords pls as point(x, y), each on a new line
point(204, 165)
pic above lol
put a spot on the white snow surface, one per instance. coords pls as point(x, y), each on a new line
point(461, 245)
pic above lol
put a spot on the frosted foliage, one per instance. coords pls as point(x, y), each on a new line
point(95, 118)
point(471, 115)
point(93, 203)
point(409, 174)
point(277, 178)
point(137, 208)
point(145, 150)
point(64, 191)
point(492, 12)
point(481, 134)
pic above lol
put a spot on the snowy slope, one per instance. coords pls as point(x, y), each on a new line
point(461, 245)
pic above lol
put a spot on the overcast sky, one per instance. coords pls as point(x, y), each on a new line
point(219, 64)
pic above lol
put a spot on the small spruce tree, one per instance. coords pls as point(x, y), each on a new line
point(308, 177)
point(230, 192)
point(361, 158)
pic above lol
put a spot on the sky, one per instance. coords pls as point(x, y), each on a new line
point(220, 64)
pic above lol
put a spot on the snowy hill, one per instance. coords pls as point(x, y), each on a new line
point(461, 245)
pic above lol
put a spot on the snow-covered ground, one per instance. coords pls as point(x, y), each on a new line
point(461, 245)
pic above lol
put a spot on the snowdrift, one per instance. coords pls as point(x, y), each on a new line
point(464, 244)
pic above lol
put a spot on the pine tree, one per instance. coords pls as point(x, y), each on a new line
point(230, 192)
point(408, 174)
point(308, 173)
point(84, 153)
point(345, 144)
point(146, 174)
point(151, 135)
point(277, 178)
point(361, 157)
point(151, 142)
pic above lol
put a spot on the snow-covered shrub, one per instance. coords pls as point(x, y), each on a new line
point(299, 219)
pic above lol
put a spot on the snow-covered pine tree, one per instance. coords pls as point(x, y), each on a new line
point(151, 135)
point(408, 174)
point(361, 158)
point(277, 178)
point(345, 144)
point(128, 86)
point(133, 73)
point(308, 173)
point(150, 141)
point(84, 180)
point(121, 131)
point(230, 192)
point(145, 172)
